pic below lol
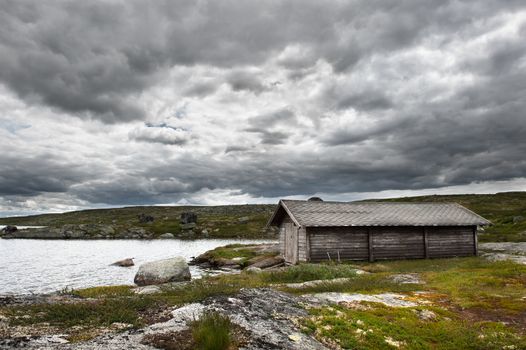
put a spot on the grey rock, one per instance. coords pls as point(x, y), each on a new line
point(268, 316)
point(253, 269)
point(315, 283)
point(407, 278)
point(426, 315)
point(188, 218)
point(124, 263)
point(147, 290)
point(188, 226)
point(8, 230)
point(107, 230)
point(243, 220)
point(269, 262)
point(143, 218)
point(163, 271)
point(389, 299)
point(167, 235)
point(517, 219)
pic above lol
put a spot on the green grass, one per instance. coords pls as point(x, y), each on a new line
point(469, 295)
point(103, 292)
point(232, 251)
point(212, 331)
point(383, 327)
point(471, 282)
point(219, 221)
point(308, 272)
point(97, 313)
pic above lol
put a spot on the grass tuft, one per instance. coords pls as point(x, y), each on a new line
point(212, 331)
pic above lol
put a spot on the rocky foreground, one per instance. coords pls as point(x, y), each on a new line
point(415, 304)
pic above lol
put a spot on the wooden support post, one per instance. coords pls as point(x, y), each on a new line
point(370, 236)
point(426, 246)
point(475, 241)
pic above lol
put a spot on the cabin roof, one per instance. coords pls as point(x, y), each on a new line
point(327, 214)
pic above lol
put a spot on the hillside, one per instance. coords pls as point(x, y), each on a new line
point(230, 221)
point(506, 210)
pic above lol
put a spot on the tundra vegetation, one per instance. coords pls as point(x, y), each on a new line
point(460, 303)
point(506, 210)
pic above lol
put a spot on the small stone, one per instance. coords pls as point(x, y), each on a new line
point(253, 269)
point(143, 218)
point(124, 263)
point(147, 290)
point(243, 220)
point(517, 219)
point(409, 278)
point(295, 337)
point(167, 235)
point(426, 315)
point(394, 343)
point(188, 226)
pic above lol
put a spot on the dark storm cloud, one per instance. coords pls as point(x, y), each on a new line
point(245, 81)
point(30, 176)
point(95, 58)
point(270, 126)
point(388, 94)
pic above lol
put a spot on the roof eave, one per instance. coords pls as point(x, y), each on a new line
point(281, 204)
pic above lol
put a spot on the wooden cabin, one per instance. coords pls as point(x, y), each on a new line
point(313, 231)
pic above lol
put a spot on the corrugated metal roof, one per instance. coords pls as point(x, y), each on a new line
point(311, 213)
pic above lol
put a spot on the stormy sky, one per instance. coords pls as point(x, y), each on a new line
point(111, 103)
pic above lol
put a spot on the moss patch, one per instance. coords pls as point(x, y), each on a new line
point(382, 327)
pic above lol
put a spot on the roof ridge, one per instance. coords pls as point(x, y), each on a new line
point(371, 202)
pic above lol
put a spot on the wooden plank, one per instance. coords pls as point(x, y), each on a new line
point(370, 238)
point(475, 241)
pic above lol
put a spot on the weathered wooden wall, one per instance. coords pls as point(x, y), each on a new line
point(451, 241)
point(303, 246)
point(350, 242)
point(397, 242)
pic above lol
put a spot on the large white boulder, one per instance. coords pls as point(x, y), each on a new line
point(163, 271)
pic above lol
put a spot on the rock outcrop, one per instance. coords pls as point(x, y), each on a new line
point(163, 271)
point(8, 230)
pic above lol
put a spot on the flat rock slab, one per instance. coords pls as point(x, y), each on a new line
point(389, 299)
point(316, 283)
point(516, 248)
point(267, 315)
point(520, 259)
point(407, 278)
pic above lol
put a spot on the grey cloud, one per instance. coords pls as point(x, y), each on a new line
point(31, 176)
point(161, 133)
point(365, 101)
point(270, 126)
point(246, 81)
point(231, 149)
point(95, 59)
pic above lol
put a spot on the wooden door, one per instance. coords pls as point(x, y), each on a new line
point(291, 243)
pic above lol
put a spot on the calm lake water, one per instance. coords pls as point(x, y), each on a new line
point(42, 266)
